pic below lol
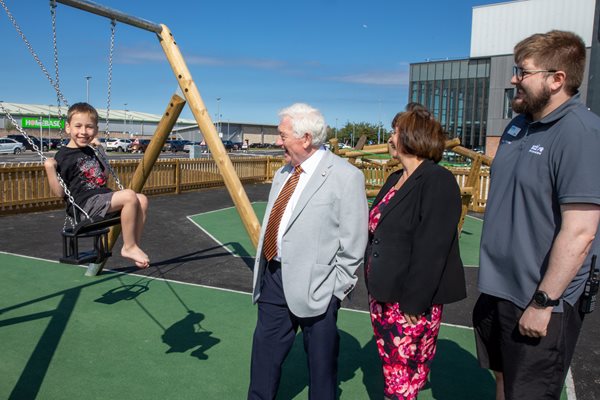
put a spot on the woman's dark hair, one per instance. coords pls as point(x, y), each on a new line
point(419, 133)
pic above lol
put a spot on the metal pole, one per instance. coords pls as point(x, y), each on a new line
point(41, 142)
point(111, 13)
point(87, 89)
point(593, 90)
point(49, 125)
point(219, 117)
point(336, 128)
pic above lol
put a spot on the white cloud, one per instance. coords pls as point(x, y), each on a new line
point(138, 56)
point(375, 78)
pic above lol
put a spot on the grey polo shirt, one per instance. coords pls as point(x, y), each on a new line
point(539, 166)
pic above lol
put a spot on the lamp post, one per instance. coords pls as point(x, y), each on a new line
point(379, 124)
point(49, 123)
point(87, 88)
point(219, 115)
point(336, 128)
point(125, 118)
point(41, 142)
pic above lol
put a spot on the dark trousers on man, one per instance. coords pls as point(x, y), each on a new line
point(274, 336)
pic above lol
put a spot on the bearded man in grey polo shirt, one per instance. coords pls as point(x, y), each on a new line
point(540, 223)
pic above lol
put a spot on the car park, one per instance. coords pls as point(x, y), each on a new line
point(118, 144)
point(27, 146)
point(10, 146)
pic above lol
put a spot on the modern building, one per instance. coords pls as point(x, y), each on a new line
point(471, 97)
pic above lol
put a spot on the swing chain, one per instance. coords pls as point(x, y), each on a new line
point(22, 132)
point(113, 24)
point(56, 63)
point(42, 156)
point(33, 53)
point(99, 153)
point(99, 150)
point(55, 47)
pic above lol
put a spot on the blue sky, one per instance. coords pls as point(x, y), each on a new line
point(348, 58)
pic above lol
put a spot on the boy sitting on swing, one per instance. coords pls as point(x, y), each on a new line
point(86, 179)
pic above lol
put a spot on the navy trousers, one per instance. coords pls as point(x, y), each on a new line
point(274, 336)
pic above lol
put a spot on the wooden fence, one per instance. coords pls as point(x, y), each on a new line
point(24, 186)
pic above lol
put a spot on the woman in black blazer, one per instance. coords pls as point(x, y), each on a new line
point(413, 264)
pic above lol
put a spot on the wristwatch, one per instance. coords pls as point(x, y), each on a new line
point(540, 298)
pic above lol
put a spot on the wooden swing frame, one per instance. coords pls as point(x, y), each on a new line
point(201, 115)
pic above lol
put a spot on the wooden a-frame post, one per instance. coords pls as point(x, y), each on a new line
point(202, 116)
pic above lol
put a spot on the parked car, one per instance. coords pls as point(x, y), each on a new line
point(55, 143)
point(174, 145)
point(188, 146)
point(229, 145)
point(102, 141)
point(140, 145)
point(119, 145)
point(10, 146)
point(27, 146)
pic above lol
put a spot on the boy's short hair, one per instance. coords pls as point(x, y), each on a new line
point(83, 108)
point(555, 50)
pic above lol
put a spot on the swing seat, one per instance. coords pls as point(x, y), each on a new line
point(72, 254)
point(95, 224)
point(95, 228)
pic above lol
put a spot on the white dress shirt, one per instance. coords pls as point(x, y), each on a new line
point(308, 168)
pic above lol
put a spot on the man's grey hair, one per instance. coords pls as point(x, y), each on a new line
point(306, 119)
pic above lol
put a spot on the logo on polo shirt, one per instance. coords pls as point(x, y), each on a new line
point(513, 130)
point(536, 149)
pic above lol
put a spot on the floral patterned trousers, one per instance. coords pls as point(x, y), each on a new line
point(406, 350)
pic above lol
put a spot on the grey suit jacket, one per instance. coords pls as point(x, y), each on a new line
point(325, 240)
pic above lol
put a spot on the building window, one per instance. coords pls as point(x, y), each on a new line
point(507, 111)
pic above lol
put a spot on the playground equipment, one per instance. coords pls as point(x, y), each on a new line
point(191, 94)
point(366, 157)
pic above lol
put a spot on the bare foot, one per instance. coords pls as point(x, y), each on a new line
point(136, 255)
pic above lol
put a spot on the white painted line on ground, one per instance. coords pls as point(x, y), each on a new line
point(211, 236)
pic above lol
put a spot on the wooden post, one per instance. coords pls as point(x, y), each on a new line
point(466, 194)
point(163, 130)
point(177, 177)
point(473, 177)
point(334, 143)
point(190, 91)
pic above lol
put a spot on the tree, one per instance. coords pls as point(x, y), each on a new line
point(9, 126)
point(352, 131)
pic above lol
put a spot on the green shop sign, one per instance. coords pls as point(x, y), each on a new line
point(47, 123)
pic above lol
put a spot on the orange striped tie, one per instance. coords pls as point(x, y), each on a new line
point(270, 242)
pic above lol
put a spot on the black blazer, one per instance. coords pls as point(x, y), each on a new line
point(413, 253)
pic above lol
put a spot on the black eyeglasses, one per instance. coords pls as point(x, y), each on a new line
point(521, 73)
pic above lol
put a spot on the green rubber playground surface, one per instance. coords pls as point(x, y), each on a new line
point(225, 226)
point(66, 336)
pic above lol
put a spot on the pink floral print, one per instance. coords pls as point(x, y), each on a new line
point(406, 351)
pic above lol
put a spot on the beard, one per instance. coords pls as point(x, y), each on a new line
point(529, 103)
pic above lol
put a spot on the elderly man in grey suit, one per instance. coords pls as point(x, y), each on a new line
point(313, 239)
